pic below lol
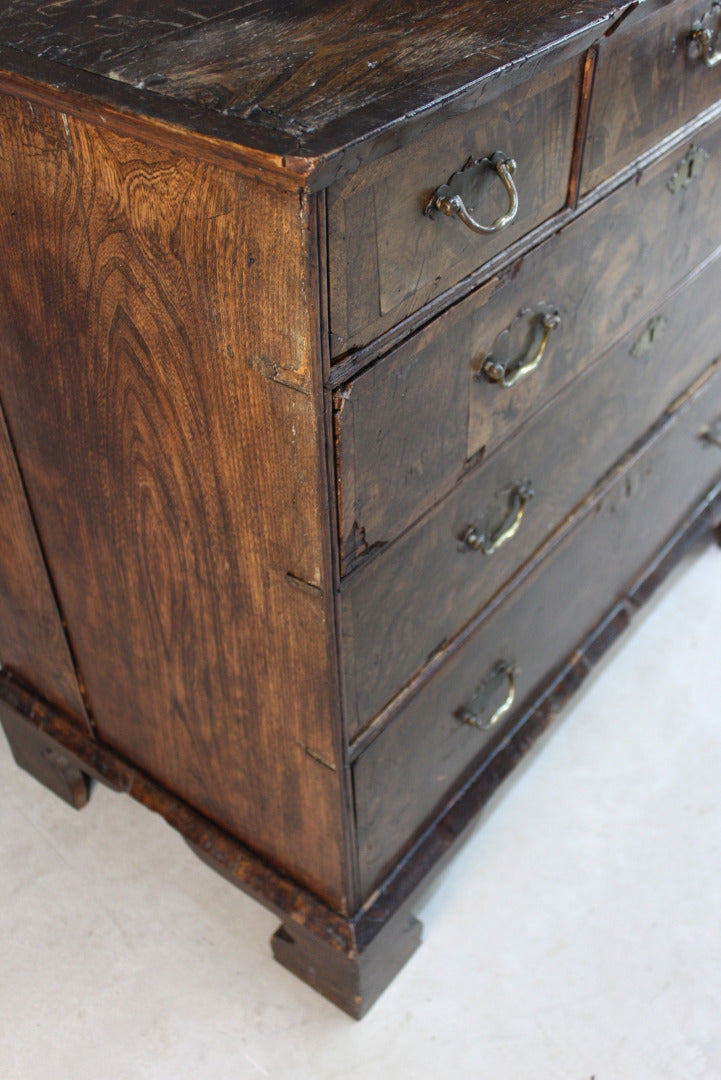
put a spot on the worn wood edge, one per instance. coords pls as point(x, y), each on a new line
point(338, 148)
point(341, 151)
point(315, 942)
point(356, 984)
point(318, 281)
point(375, 727)
point(437, 842)
point(226, 854)
point(671, 142)
point(323, 934)
point(86, 715)
point(39, 756)
point(172, 125)
point(584, 112)
point(352, 363)
point(356, 565)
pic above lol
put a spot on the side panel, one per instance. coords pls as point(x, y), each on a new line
point(156, 336)
point(32, 642)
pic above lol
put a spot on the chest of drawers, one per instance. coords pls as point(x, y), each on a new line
point(359, 371)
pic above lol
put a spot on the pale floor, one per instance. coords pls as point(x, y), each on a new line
point(576, 935)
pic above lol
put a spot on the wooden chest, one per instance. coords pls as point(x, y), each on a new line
point(360, 374)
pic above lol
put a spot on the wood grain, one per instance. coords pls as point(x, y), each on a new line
point(156, 363)
point(650, 65)
point(83, 35)
point(44, 760)
point(537, 628)
point(32, 639)
point(325, 73)
point(412, 422)
point(563, 452)
point(387, 257)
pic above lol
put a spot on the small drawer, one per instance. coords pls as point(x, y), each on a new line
point(388, 257)
point(652, 76)
point(407, 427)
point(404, 777)
point(401, 607)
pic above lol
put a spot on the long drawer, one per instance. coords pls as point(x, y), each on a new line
point(658, 68)
point(403, 777)
point(407, 427)
point(387, 257)
point(402, 606)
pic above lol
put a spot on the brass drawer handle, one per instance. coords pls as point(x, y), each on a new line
point(706, 38)
point(451, 198)
point(479, 540)
point(497, 371)
point(472, 713)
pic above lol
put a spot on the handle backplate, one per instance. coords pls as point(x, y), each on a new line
point(706, 37)
point(476, 711)
point(465, 191)
point(487, 541)
point(519, 349)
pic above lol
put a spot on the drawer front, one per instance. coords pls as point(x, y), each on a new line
point(650, 79)
point(387, 257)
point(400, 608)
point(407, 427)
point(407, 773)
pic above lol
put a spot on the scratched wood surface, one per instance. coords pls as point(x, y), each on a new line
point(324, 72)
point(387, 257)
point(652, 65)
point(155, 371)
point(412, 422)
point(537, 629)
point(32, 642)
point(562, 452)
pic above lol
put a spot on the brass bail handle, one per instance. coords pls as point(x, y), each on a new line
point(472, 713)
point(448, 198)
point(521, 494)
point(706, 38)
point(498, 372)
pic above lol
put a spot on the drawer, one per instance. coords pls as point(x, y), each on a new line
point(650, 79)
point(407, 427)
point(404, 605)
point(403, 777)
point(387, 257)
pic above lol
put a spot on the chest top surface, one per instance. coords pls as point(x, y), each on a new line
point(306, 79)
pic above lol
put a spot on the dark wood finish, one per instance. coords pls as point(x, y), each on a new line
point(32, 639)
point(353, 984)
point(175, 473)
point(313, 928)
point(679, 143)
point(304, 74)
point(44, 759)
point(560, 600)
point(413, 421)
point(350, 960)
point(649, 65)
point(562, 451)
point(188, 197)
point(387, 257)
point(438, 842)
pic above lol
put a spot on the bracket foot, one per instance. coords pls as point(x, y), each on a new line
point(355, 978)
point(41, 756)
